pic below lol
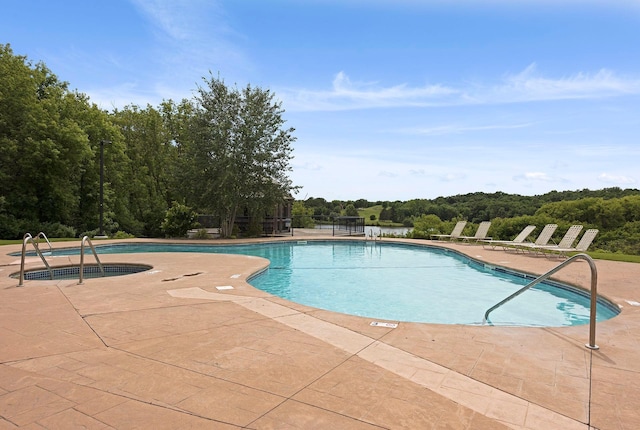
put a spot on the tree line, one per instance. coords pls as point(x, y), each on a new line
point(224, 151)
point(613, 211)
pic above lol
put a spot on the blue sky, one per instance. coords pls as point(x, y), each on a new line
point(390, 99)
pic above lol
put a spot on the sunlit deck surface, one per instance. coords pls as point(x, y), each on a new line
point(166, 349)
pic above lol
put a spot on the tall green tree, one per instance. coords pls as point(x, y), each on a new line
point(238, 152)
point(44, 147)
point(151, 154)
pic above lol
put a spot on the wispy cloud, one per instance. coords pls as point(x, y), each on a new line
point(460, 129)
point(387, 174)
point(347, 95)
point(183, 20)
point(451, 177)
point(308, 166)
point(526, 86)
point(534, 176)
point(616, 179)
point(190, 38)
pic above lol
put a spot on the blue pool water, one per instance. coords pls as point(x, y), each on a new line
point(398, 282)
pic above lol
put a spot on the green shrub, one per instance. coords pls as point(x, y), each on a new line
point(201, 234)
point(9, 227)
point(55, 229)
point(178, 220)
point(122, 235)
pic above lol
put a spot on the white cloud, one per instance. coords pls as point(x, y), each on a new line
point(616, 179)
point(387, 174)
point(182, 20)
point(308, 166)
point(526, 86)
point(347, 95)
point(460, 129)
point(451, 177)
point(533, 176)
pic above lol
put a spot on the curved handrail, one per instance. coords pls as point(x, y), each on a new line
point(26, 239)
point(373, 235)
point(594, 294)
point(41, 234)
point(86, 239)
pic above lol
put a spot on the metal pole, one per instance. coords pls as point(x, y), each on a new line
point(594, 300)
point(101, 184)
point(102, 142)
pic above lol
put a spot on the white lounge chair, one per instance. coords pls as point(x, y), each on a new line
point(455, 233)
point(584, 243)
point(507, 244)
point(543, 238)
point(481, 233)
point(566, 242)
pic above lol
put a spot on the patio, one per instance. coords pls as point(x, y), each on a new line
point(168, 349)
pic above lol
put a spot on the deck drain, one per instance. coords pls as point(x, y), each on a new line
point(383, 324)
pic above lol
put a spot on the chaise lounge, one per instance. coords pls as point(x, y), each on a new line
point(455, 233)
point(508, 244)
point(565, 243)
point(481, 233)
point(582, 246)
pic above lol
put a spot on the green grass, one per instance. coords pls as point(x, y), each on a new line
point(375, 210)
point(602, 255)
point(367, 212)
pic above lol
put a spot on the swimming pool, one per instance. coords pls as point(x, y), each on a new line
point(398, 282)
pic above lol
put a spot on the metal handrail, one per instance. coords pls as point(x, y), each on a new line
point(41, 234)
point(26, 239)
point(594, 294)
point(373, 235)
point(86, 239)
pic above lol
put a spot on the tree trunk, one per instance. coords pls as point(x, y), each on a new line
point(227, 222)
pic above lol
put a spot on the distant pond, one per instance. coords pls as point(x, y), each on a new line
point(398, 231)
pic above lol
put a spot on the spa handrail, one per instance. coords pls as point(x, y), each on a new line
point(594, 294)
point(86, 239)
point(373, 235)
point(34, 241)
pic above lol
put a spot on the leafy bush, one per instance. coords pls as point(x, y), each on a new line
point(178, 220)
point(254, 229)
point(56, 229)
point(202, 233)
point(89, 233)
point(9, 227)
point(351, 210)
point(425, 225)
point(122, 235)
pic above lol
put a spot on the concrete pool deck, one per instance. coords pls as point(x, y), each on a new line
point(169, 348)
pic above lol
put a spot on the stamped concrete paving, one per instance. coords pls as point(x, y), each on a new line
point(168, 349)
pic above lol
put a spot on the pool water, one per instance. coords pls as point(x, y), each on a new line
point(399, 282)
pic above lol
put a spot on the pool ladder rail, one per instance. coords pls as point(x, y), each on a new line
point(35, 242)
point(593, 294)
point(86, 239)
point(374, 235)
point(27, 238)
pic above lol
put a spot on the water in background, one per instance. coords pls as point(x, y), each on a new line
point(396, 231)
